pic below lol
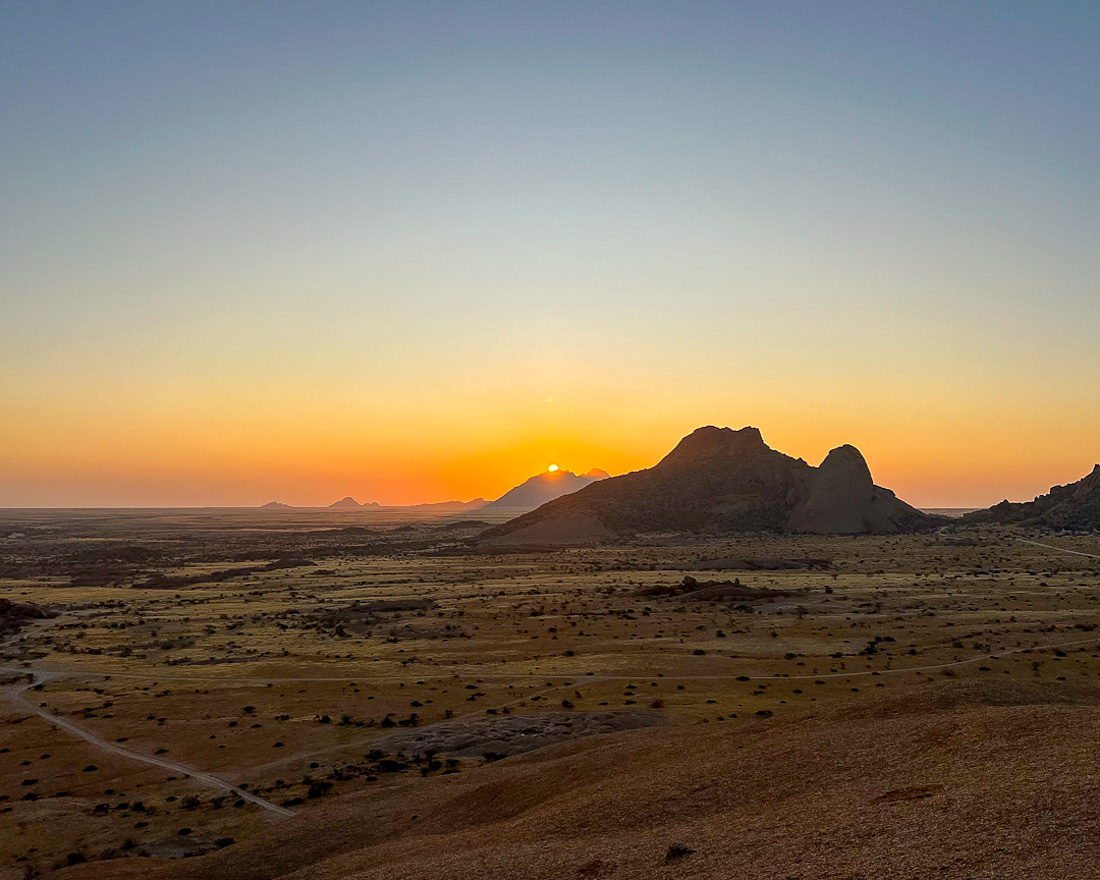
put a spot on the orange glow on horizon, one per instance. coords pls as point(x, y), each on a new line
point(84, 442)
point(319, 470)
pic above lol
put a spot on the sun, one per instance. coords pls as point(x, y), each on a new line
point(552, 468)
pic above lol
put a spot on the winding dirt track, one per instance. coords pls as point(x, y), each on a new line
point(16, 695)
point(1060, 549)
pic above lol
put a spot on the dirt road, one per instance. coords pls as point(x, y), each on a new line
point(16, 695)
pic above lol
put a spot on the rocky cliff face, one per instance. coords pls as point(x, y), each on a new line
point(718, 480)
point(844, 500)
point(1074, 506)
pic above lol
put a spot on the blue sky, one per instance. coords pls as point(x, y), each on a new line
point(860, 218)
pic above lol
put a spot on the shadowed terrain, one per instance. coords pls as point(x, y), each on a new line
point(915, 787)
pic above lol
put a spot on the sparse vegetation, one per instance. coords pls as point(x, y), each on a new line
point(442, 646)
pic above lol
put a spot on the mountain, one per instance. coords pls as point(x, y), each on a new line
point(541, 488)
point(275, 505)
point(844, 500)
point(1074, 506)
point(718, 480)
point(348, 503)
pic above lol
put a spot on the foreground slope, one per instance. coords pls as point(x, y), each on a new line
point(1073, 506)
point(721, 480)
point(941, 784)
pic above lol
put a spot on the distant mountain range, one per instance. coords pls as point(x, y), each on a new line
point(527, 496)
point(718, 480)
point(349, 503)
point(1075, 506)
point(721, 481)
point(542, 488)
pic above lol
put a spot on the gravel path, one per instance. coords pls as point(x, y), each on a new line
point(16, 695)
point(1061, 549)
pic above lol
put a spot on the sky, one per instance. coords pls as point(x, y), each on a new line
point(419, 251)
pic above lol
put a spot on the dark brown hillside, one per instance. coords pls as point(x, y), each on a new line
point(1074, 506)
point(718, 480)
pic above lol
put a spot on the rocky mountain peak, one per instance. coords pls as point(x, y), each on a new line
point(710, 444)
point(845, 464)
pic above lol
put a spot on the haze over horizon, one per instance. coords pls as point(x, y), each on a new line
point(419, 253)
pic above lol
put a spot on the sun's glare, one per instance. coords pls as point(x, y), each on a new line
point(552, 468)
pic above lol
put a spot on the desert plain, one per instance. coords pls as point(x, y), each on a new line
point(246, 693)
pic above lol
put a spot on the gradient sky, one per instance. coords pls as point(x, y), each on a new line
point(418, 251)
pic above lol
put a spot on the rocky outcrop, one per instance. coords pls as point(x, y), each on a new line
point(1075, 506)
point(13, 615)
point(24, 611)
point(692, 590)
point(718, 480)
point(844, 500)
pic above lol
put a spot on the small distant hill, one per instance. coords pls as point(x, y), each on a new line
point(718, 480)
point(542, 488)
point(1075, 506)
point(275, 505)
point(349, 503)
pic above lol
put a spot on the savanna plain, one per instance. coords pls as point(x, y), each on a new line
point(255, 694)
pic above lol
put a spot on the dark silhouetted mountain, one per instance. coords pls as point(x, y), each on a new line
point(844, 500)
point(541, 488)
point(275, 505)
point(718, 480)
point(1075, 506)
point(349, 503)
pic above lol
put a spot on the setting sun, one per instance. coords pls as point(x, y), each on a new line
point(552, 468)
